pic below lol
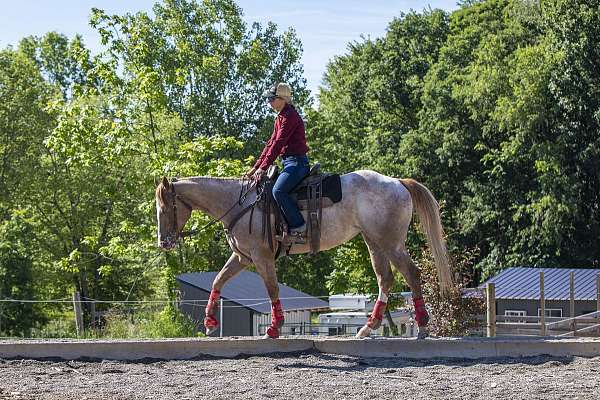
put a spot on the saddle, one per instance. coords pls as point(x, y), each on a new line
point(315, 192)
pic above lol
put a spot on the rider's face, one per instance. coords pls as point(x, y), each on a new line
point(276, 103)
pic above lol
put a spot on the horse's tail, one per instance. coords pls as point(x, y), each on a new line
point(429, 214)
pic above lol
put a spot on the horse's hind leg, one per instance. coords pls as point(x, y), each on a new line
point(232, 267)
point(385, 281)
point(403, 263)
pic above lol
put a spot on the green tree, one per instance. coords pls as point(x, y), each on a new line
point(17, 280)
point(24, 123)
point(371, 96)
point(205, 65)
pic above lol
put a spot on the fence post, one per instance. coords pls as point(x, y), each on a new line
point(491, 309)
point(221, 317)
point(542, 306)
point(93, 315)
point(598, 292)
point(572, 301)
point(78, 314)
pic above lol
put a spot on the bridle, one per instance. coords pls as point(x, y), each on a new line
point(246, 187)
point(186, 204)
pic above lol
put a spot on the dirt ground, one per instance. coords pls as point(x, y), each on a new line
point(303, 376)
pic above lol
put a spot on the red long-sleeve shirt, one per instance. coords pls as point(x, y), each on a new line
point(288, 138)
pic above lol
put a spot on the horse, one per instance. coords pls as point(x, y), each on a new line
point(378, 207)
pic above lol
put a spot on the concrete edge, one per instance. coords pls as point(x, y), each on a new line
point(459, 348)
point(181, 349)
point(151, 349)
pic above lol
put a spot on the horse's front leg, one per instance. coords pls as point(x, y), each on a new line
point(231, 268)
point(265, 265)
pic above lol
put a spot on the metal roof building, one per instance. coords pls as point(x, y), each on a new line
point(518, 291)
point(246, 303)
point(524, 283)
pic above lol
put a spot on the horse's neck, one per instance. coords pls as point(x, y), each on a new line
point(210, 195)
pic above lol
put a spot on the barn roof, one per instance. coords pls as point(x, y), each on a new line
point(521, 283)
point(248, 289)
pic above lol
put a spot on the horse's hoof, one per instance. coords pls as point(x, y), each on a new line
point(423, 333)
point(272, 333)
point(210, 331)
point(210, 324)
point(364, 332)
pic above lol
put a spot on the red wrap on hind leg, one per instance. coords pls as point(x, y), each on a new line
point(376, 317)
point(277, 319)
point(210, 322)
point(421, 315)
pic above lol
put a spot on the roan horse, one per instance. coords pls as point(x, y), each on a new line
point(377, 206)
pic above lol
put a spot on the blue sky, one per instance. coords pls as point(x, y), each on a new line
point(324, 27)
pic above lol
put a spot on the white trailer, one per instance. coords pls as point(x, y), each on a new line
point(350, 322)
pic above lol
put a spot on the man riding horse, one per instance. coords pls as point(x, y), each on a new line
point(288, 140)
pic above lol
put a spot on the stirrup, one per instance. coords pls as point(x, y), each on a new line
point(288, 239)
point(297, 237)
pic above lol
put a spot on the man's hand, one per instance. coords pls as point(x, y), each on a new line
point(258, 174)
point(249, 173)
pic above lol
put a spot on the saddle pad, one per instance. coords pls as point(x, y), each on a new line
point(331, 187)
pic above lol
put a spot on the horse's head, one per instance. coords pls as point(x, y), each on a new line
point(172, 212)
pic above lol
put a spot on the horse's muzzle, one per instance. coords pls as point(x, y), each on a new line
point(168, 243)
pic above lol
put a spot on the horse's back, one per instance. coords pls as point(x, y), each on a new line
point(372, 203)
point(373, 185)
point(381, 203)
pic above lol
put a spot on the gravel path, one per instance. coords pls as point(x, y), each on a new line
point(304, 376)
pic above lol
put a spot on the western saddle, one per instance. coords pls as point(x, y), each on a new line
point(309, 197)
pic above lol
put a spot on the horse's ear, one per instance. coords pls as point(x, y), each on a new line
point(165, 182)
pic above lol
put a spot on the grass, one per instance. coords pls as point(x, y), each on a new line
point(117, 324)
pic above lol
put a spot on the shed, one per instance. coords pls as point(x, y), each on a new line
point(518, 291)
point(246, 304)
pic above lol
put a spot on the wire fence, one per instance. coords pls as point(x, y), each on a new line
point(101, 318)
point(163, 301)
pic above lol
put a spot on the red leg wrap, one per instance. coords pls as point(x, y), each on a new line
point(272, 332)
point(213, 299)
point(277, 317)
point(421, 315)
point(210, 322)
point(376, 317)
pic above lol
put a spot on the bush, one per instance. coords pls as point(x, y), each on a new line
point(167, 323)
point(453, 315)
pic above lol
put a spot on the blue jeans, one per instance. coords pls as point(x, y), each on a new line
point(295, 168)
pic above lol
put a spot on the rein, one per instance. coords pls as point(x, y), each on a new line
point(245, 189)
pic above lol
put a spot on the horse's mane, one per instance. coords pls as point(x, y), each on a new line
point(216, 178)
point(161, 190)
